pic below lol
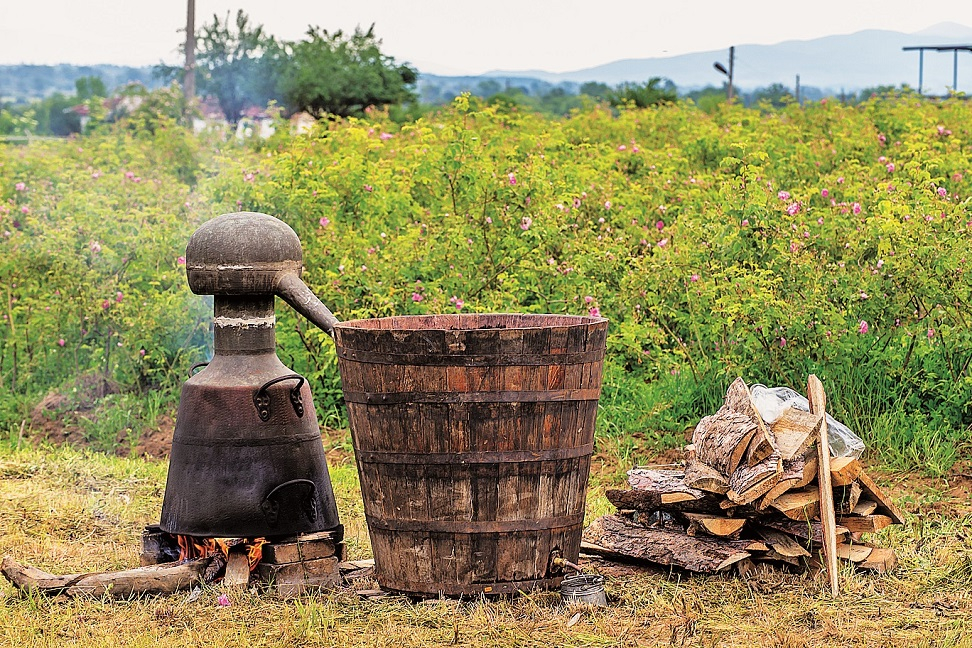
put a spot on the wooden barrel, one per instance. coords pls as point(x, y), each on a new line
point(473, 436)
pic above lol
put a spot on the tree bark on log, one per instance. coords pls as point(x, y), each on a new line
point(620, 537)
point(740, 400)
point(647, 501)
point(809, 532)
point(665, 482)
point(151, 579)
point(721, 440)
point(748, 483)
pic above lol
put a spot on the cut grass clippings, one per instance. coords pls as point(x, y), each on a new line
point(65, 510)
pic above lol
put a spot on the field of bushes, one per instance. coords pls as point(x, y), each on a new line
point(767, 244)
point(760, 243)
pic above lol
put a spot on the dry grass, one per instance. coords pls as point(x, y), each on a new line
point(64, 510)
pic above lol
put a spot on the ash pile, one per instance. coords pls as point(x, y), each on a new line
point(750, 495)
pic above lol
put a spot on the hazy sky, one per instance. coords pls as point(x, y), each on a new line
point(452, 37)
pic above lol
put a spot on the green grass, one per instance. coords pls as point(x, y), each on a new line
point(66, 510)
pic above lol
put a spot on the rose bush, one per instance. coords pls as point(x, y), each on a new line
point(824, 238)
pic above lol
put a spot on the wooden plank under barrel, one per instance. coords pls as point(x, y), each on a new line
point(473, 436)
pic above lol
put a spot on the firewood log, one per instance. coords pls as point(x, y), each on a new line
point(799, 505)
point(865, 523)
point(152, 579)
point(703, 477)
point(714, 525)
point(615, 536)
point(748, 483)
point(880, 560)
point(721, 440)
point(761, 445)
point(795, 431)
point(844, 470)
point(874, 493)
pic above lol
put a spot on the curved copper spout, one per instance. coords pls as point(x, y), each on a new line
point(296, 293)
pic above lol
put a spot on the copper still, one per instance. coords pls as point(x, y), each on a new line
point(247, 458)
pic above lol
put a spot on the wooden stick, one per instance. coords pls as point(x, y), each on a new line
point(818, 406)
point(151, 579)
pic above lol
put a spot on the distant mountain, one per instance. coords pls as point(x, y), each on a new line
point(26, 82)
point(849, 62)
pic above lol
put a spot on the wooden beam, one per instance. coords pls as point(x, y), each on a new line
point(818, 406)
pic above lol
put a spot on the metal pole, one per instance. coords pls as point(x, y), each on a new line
point(189, 82)
point(955, 70)
point(798, 89)
point(732, 58)
point(921, 68)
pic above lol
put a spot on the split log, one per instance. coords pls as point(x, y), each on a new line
point(885, 505)
point(865, 507)
point(810, 532)
point(795, 431)
point(818, 406)
point(776, 556)
point(151, 579)
point(721, 440)
point(703, 477)
point(714, 525)
point(853, 552)
point(668, 484)
point(646, 501)
point(309, 546)
point(797, 473)
point(783, 544)
point(291, 580)
point(611, 535)
point(748, 483)
point(865, 523)
point(798, 505)
point(846, 498)
point(656, 489)
point(237, 570)
point(881, 560)
point(354, 570)
point(844, 470)
point(740, 400)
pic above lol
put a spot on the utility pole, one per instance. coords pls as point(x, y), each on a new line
point(732, 60)
point(722, 68)
point(189, 81)
point(798, 89)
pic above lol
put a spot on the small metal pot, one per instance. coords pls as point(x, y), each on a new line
point(584, 588)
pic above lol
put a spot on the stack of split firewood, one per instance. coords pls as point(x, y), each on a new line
point(749, 493)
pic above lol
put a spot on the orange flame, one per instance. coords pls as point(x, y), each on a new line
point(191, 547)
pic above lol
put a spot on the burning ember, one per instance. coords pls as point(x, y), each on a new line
point(219, 548)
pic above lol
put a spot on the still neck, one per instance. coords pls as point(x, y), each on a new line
point(243, 324)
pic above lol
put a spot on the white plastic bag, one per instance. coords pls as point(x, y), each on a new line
point(771, 401)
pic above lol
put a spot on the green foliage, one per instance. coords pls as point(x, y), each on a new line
point(342, 75)
point(595, 90)
point(235, 62)
point(824, 239)
point(90, 87)
point(776, 95)
point(642, 95)
point(230, 63)
point(91, 232)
